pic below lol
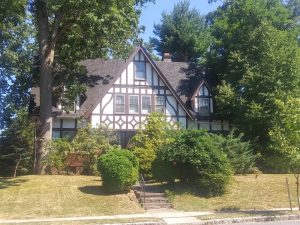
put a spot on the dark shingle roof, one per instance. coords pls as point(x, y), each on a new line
point(176, 76)
point(101, 74)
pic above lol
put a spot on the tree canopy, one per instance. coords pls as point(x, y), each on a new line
point(182, 32)
point(54, 36)
point(256, 57)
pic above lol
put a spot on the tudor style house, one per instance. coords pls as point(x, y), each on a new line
point(122, 93)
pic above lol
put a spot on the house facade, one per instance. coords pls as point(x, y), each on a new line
point(122, 93)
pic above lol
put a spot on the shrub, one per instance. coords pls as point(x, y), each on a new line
point(93, 142)
point(119, 170)
point(197, 159)
point(145, 144)
point(145, 156)
point(57, 154)
point(163, 170)
point(238, 152)
point(89, 143)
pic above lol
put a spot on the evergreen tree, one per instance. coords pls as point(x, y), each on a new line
point(182, 33)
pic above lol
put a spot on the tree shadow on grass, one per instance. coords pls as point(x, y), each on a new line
point(180, 188)
point(10, 182)
point(97, 190)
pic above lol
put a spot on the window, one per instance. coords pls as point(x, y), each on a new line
point(204, 105)
point(159, 104)
point(55, 134)
point(120, 104)
point(146, 104)
point(133, 104)
point(140, 70)
point(68, 134)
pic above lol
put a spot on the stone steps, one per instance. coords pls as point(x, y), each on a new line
point(156, 205)
point(154, 198)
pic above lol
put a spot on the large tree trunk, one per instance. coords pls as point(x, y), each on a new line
point(46, 52)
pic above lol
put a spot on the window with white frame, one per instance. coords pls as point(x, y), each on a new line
point(120, 104)
point(133, 104)
point(140, 70)
point(146, 104)
point(160, 104)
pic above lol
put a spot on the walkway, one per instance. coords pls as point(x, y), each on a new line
point(168, 216)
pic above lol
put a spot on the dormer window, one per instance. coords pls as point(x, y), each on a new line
point(140, 70)
point(204, 105)
point(203, 101)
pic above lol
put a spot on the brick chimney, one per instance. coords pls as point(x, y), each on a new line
point(167, 57)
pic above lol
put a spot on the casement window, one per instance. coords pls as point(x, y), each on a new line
point(120, 104)
point(140, 70)
point(146, 104)
point(133, 104)
point(160, 104)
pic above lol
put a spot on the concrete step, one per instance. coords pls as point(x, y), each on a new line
point(151, 194)
point(157, 199)
point(155, 205)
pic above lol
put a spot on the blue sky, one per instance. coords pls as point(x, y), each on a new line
point(151, 13)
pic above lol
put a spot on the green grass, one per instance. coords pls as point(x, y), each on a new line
point(105, 221)
point(245, 192)
point(60, 196)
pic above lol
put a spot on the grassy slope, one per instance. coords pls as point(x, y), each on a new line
point(245, 192)
point(56, 196)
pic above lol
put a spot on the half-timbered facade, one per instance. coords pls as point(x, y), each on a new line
point(122, 93)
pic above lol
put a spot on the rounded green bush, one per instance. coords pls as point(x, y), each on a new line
point(163, 170)
point(118, 169)
point(196, 159)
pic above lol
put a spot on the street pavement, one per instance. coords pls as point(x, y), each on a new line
point(287, 222)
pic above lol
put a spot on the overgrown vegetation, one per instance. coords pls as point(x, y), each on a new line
point(89, 143)
point(118, 169)
point(156, 132)
point(239, 152)
point(17, 146)
point(196, 159)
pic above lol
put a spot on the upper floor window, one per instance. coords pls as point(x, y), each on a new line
point(140, 70)
point(159, 104)
point(204, 101)
point(133, 104)
point(204, 105)
point(120, 104)
point(146, 104)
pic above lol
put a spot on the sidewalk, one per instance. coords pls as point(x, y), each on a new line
point(167, 216)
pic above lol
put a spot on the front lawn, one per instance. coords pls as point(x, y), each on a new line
point(60, 196)
point(245, 192)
